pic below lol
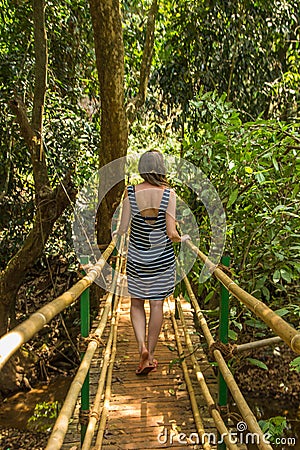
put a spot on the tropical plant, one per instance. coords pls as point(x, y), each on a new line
point(255, 166)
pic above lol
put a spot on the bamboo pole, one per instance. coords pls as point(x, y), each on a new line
point(61, 425)
point(95, 412)
point(85, 326)
point(198, 421)
point(287, 333)
point(105, 409)
point(243, 406)
point(14, 339)
point(258, 344)
point(221, 427)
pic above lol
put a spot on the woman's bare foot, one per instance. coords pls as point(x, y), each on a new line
point(145, 365)
point(146, 368)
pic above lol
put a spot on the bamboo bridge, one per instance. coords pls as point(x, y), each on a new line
point(180, 405)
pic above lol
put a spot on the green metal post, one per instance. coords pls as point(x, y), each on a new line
point(85, 329)
point(223, 336)
point(114, 265)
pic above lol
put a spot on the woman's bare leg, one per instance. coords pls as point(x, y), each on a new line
point(154, 326)
point(138, 320)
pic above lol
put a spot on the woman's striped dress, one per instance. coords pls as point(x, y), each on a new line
point(150, 260)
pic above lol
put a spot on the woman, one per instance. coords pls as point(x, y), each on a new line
point(150, 207)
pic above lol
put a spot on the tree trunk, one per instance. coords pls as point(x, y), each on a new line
point(13, 276)
point(109, 48)
point(50, 209)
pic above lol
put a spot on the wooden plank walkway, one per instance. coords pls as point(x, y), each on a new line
point(150, 412)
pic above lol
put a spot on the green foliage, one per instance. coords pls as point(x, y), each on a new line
point(71, 131)
point(250, 50)
point(275, 427)
point(44, 416)
point(295, 364)
point(255, 166)
point(71, 50)
point(134, 31)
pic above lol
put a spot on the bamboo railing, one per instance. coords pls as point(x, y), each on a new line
point(283, 329)
point(243, 406)
point(258, 344)
point(14, 339)
point(217, 418)
point(61, 425)
point(196, 413)
point(107, 395)
point(98, 413)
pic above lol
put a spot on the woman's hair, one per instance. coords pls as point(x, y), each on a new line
point(152, 168)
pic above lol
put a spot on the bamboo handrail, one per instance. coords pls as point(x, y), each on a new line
point(105, 409)
point(14, 339)
point(95, 410)
point(221, 427)
point(61, 425)
point(195, 409)
point(283, 329)
point(243, 406)
point(60, 428)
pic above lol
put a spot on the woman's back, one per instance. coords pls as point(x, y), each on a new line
point(148, 199)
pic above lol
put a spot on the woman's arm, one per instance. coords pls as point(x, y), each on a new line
point(171, 221)
point(125, 216)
